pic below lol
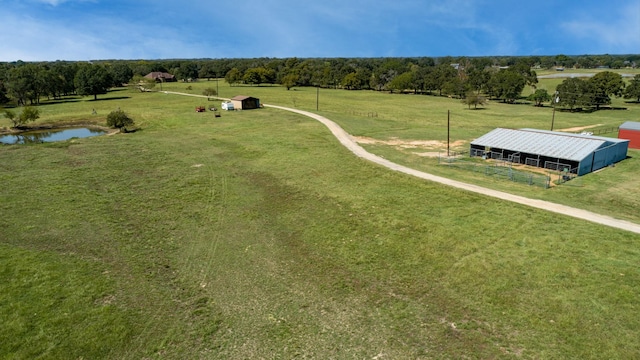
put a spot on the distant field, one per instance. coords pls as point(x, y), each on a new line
point(256, 235)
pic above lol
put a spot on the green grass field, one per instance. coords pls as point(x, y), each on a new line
point(257, 235)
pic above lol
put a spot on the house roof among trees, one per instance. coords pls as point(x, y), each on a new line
point(159, 75)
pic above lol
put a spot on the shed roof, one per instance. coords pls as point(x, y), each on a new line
point(581, 135)
point(630, 125)
point(545, 143)
point(241, 97)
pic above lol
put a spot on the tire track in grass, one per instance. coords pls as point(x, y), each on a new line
point(199, 258)
point(215, 198)
point(217, 218)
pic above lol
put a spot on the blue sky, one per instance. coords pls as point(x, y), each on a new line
point(47, 30)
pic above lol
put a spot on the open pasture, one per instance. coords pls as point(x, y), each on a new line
point(412, 130)
point(256, 235)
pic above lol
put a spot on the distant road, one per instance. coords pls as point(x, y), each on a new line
point(562, 75)
point(347, 141)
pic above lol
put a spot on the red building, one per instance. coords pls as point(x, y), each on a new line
point(630, 130)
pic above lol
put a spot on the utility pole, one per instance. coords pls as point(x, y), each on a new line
point(448, 129)
point(556, 98)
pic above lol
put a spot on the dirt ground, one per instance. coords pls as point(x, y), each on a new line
point(436, 146)
point(579, 128)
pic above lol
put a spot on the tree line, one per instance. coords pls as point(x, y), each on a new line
point(471, 79)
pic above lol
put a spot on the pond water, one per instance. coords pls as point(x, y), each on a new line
point(41, 136)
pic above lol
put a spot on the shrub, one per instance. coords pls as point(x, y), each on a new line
point(28, 114)
point(209, 92)
point(119, 119)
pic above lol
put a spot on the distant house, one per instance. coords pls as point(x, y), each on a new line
point(630, 130)
point(242, 102)
point(160, 76)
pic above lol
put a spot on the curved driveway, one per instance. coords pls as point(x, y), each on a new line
point(346, 140)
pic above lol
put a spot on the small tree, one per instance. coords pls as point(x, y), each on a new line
point(633, 90)
point(474, 99)
point(28, 114)
point(209, 92)
point(289, 80)
point(119, 119)
point(233, 76)
point(539, 96)
point(11, 116)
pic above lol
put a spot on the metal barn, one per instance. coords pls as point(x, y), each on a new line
point(630, 130)
point(575, 153)
point(241, 102)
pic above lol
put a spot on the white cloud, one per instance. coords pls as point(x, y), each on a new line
point(58, 2)
point(51, 2)
point(612, 34)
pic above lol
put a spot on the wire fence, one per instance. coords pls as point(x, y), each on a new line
point(568, 177)
point(599, 131)
point(371, 114)
point(499, 169)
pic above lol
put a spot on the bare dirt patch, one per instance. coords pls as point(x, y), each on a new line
point(580, 128)
point(402, 144)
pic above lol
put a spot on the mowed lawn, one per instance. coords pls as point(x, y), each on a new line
point(257, 235)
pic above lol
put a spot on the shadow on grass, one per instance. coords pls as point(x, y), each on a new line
point(110, 98)
point(61, 101)
point(590, 110)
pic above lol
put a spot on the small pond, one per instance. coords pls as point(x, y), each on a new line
point(50, 135)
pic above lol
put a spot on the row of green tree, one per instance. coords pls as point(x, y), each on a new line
point(28, 83)
point(595, 91)
point(501, 78)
